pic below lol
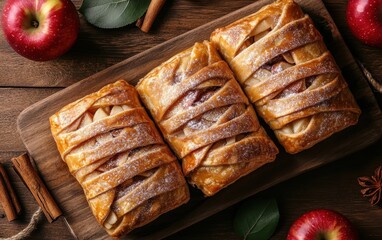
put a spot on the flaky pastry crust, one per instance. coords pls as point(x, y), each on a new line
point(112, 148)
point(289, 75)
point(206, 118)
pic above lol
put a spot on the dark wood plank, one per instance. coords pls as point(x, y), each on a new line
point(332, 187)
point(13, 101)
point(97, 49)
point(33, 123)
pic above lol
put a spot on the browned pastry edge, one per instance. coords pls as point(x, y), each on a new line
point(206, 118)
point(114, 150)
point(301, 93)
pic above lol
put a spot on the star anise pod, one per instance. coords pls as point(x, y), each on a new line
point(372, 186)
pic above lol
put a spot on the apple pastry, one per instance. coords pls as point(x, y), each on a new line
point(287, 72)
point(112, 148)
point(206, 118)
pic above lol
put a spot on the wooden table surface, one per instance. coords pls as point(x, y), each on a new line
point(24, 82)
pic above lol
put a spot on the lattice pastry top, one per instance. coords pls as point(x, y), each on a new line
point(206, 118)
point(112, 148)
point(286, 70)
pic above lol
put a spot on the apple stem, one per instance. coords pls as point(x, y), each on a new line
point(35, 23)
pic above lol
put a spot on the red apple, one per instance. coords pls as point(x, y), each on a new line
point(40, 29)
point(322, 224)
point(364, 18)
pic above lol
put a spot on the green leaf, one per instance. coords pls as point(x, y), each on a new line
point(256, 219)
point(113, 13)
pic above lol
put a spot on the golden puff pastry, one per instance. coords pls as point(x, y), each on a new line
point(286, 70)
point(206, 118)
point(113, 149)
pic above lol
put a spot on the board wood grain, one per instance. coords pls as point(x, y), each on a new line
point(13, 102)
point(97, 49)
point(33, 126)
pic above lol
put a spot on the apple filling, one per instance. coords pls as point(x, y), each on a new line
point(104, 165)
point(274, 66)
point(283, 61)
point(196, 97)
point(264, 27)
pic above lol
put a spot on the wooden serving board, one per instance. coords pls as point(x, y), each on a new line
point(33, 126)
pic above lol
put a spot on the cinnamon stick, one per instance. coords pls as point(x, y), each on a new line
point(11, 192)
point(6, 201)
point(36, 186)
point(152, 12)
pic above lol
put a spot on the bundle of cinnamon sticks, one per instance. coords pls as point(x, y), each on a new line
point(11, 205)
point(8, 199)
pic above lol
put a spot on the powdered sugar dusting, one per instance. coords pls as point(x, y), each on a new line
point(290, 76)
point(206, 115)
point(115, 151)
